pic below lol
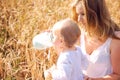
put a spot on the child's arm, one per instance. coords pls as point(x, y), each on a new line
point(63, 70)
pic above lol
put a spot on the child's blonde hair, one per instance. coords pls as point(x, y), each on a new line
point(69, 30)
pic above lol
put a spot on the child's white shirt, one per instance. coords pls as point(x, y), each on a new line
point(69, 65)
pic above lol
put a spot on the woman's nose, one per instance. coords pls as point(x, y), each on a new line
point(80, 18)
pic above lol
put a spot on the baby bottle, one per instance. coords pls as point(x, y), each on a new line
point(43, 40)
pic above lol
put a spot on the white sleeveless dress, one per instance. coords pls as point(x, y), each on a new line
point(99, 63)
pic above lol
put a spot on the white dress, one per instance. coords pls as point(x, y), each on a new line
point(99, 61)
point(69, 65)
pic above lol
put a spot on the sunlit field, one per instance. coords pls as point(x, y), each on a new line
point(20, 21)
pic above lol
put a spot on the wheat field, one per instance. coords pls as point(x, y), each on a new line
point(20, 21)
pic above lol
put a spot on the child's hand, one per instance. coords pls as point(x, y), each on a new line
point(52, 68)
point(47, 75)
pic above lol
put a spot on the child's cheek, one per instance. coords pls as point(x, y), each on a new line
point(55, 44)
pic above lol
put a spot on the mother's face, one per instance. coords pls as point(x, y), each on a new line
point(80, 14)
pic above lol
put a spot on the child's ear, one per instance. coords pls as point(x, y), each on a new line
point(61, 40)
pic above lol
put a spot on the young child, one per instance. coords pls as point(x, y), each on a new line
point(69, 64)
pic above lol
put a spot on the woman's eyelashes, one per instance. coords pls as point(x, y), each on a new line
point(80, 14)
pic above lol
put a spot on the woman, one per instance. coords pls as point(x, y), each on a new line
point(100, 39)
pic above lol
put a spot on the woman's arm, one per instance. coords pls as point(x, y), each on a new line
point(115, 57)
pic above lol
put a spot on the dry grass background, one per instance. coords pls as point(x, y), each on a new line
point(20, 21)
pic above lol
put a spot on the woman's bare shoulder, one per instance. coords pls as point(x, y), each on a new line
point(115, 53)
point(115, 44)
point(117, 33)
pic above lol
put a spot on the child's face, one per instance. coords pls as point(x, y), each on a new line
point(57, 41)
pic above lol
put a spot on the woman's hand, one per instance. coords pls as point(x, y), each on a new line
point(89, 78)
point(86, 77)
